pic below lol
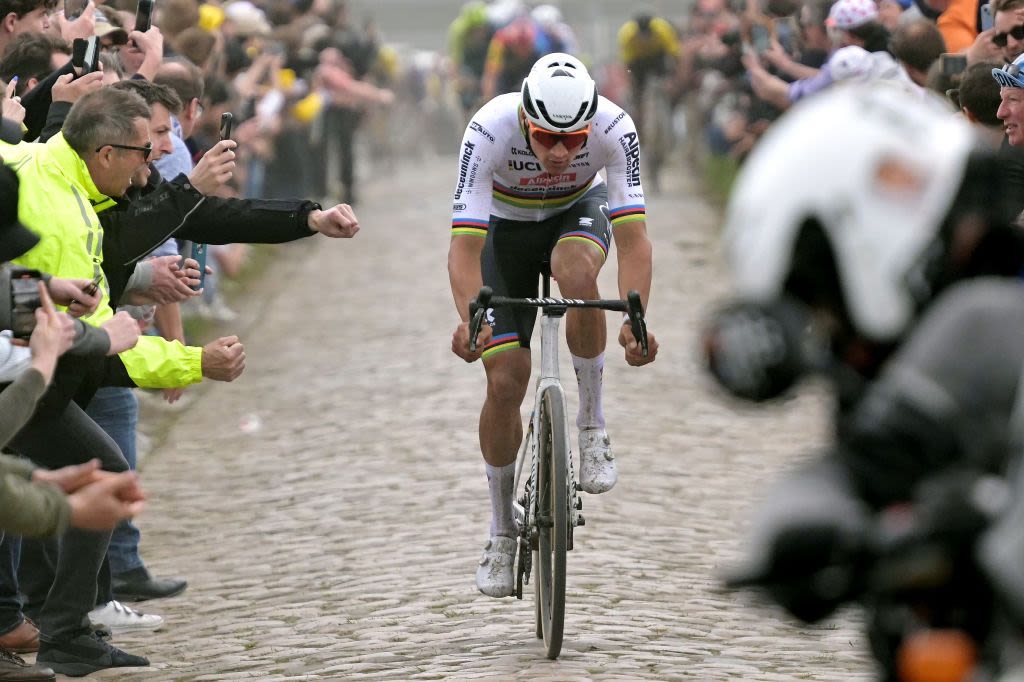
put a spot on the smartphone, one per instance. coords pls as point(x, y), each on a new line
point(78, 48)
point(93, 286)
point(144, 15)
point(226, 119)
point(952, 64)
point(761, 38)
point(74, 8)
point(85, 54)
point(987, 18)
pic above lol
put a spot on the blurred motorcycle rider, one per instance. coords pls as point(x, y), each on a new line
point(886, 257)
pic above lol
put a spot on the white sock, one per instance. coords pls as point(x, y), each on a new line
point(589, 372)
point(500, 482)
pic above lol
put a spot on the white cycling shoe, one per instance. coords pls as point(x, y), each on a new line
point(597, 463)
point(495, 574)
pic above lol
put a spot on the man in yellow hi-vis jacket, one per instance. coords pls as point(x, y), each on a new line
point(105, 141)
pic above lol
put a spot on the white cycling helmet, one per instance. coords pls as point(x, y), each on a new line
point(877, 167)
point(559, 95)
point(546, 15)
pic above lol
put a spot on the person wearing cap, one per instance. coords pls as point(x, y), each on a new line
point(110, 34)
point(851, 24)
point(1011, 95)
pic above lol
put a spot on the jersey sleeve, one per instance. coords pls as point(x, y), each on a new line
point(625, 191)
point(471, 203)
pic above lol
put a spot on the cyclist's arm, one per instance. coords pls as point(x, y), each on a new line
point(625, 40)
point(471, 210)
point(627, 209)
point(666, 34)
point(634, 257)
point(492, 68)
point(464, 271)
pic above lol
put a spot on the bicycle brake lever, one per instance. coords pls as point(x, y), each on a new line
point(636, 320)
point(477, 309)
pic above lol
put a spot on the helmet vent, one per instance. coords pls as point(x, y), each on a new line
point(561, 72)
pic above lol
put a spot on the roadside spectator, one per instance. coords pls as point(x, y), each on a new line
point(1008, 29)
point(917, 45)
point(23, 16)
point(855, 22)
point(979, 100)
point(32, 57)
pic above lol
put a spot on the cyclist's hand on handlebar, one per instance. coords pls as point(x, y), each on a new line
point(634, 355)
point(460, 341)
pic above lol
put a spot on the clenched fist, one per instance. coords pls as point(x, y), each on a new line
point(223, 359)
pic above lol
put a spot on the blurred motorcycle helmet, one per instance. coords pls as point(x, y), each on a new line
point(849, 201)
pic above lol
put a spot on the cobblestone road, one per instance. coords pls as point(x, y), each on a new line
point(338, 541)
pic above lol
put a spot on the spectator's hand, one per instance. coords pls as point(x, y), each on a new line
point(171, 282)
point(144, 53)
point(72, 293)
point(775, 55)
point(983, 49)
point(12, 108)
point(634, 355)
point(67, 88)
point(337, 221)
point(460, 341)
point(69, 478)
point(84, 26)
point(215, 168)
point(751, 62)
point(103, 504)
point(53, 335)
point(123, 331)
point(173, 395)
point(223, 359)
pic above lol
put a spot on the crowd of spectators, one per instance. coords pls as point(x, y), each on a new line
point(740, 64)
point(115, 163)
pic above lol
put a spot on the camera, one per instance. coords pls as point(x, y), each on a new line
point(19, 298)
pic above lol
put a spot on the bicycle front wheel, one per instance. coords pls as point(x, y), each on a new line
point(552, 518)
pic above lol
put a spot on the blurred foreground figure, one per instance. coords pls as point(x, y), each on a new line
point(886, 257)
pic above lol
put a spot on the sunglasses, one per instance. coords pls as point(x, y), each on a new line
point(1000, 38)
point(548, 139)
point(146, 150)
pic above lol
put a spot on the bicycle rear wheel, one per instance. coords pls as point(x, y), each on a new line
point(552, 518)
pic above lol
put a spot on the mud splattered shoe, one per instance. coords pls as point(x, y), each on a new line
point(597, 463)
point(494, 575)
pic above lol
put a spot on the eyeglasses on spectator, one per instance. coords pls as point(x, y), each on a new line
point(1000, 39)
point(146, 150)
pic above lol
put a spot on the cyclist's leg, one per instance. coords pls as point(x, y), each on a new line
point(507, 363)
point(579, 253)
point(510, 265)
point(577, 259)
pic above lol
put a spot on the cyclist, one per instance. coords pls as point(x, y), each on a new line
point(648, 46)
point(468, 39)
point(529, 192)
point(511, 53)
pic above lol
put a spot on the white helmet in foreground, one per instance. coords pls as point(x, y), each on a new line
point(874, 171)
point(559, 95)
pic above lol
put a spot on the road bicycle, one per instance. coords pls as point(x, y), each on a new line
point(547, 502)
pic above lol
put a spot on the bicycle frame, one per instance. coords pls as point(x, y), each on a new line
point(549, 376)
